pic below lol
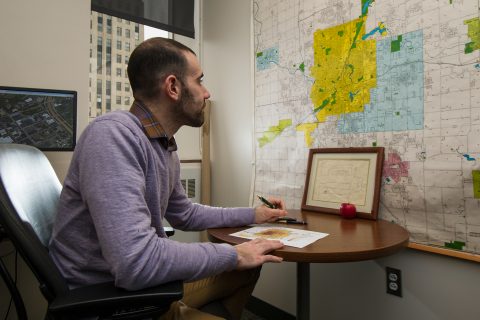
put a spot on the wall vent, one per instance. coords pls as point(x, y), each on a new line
point(190, 177)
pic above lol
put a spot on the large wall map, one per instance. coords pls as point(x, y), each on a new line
point(404, 75)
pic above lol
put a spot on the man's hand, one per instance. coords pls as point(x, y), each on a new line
point(265, 214)
point(252, 254)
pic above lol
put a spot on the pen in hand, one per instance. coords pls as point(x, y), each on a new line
point(290, 221)
point(266, 202)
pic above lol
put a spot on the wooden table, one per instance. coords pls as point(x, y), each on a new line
point(348, 240)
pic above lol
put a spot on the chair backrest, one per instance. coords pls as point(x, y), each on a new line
point(29, 192)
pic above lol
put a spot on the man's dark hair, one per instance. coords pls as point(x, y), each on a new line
point(152, 61)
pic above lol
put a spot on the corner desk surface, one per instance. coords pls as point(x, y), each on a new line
point(348, 239)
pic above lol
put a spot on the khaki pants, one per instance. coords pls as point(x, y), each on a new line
point(231, 289)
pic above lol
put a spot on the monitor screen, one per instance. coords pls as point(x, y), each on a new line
point(43, 118)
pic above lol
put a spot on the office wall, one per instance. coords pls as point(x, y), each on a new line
point(434, 287)
point(44, 44)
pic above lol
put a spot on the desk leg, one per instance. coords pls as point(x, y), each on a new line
point(303, 291)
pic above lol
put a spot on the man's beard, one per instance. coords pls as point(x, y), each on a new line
point(192, 120)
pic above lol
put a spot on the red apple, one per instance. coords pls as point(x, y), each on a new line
point(348, 210)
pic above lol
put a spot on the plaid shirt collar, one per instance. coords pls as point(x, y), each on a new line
point(153, 129)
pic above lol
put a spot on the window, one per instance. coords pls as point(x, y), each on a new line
point(99, 54)
point(127, 101)
point(100, 24)
point(119, 86)
point(118, 100)
point(127, 33)
point(126, 59)
point(119, 58)
point(127, 46)
point(137, 31)
point(119, 44)
point(99, 103)
point(109, 25)
point(99, 62)
point(127, 87)
point(119, 31)
point(99, 87)
point(119, 72)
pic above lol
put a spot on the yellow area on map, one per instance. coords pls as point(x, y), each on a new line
point(476, 183)
point(474, 34)
point(344, 69)
point(307, 129)
point(274, 131)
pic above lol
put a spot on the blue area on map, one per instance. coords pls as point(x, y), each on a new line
point(396, 104)
point(371, 33)
point(468, 157)
point(365, 7)
point(267, 58)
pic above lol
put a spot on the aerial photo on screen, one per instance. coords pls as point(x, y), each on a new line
point(43, 119)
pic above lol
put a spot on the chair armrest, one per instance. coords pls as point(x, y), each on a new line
point(105, 298)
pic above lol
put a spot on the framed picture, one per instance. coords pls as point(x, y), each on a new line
point(344, 175)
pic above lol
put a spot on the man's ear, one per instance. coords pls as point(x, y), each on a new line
point(172, 87)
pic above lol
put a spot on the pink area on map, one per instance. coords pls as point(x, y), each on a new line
point(394, 168)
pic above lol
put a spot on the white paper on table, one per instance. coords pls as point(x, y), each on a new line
point(288, 236)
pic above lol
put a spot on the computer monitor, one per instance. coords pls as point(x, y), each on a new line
point(44, 118)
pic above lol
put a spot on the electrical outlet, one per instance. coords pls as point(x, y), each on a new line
point(394, 281)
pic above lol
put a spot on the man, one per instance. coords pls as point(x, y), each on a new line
point(123, 181)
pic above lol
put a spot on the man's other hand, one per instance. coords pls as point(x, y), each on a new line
point(265, 214)
point(253, 253)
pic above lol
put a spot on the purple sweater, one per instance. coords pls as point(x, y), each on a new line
point(119, 187)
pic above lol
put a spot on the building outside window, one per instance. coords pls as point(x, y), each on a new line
point(115, 57)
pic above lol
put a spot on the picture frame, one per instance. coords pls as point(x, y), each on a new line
point(344, 175)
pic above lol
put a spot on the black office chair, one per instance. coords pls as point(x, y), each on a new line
point(29, 191)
